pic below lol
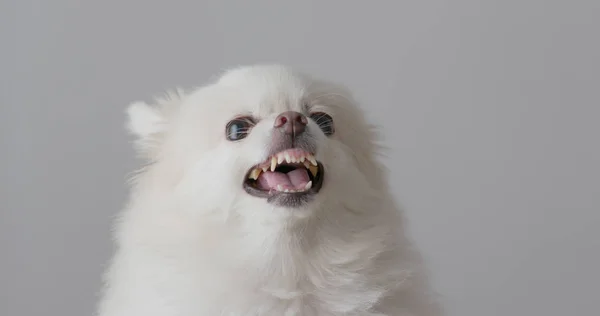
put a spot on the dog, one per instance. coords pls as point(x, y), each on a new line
point(261, 193)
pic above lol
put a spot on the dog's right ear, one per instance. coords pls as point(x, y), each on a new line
point(144, 120)
point(147, 123)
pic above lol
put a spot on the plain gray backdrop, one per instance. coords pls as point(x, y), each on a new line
point(491, 109)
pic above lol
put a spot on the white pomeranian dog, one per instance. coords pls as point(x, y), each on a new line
point(262, 195)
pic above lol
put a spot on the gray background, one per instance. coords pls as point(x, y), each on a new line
point(491, 109)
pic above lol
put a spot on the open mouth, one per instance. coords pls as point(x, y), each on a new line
point(293, 173)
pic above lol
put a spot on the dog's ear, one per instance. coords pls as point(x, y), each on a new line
point(144, 120)
point(147, 124)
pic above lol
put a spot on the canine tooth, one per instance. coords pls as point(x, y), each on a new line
point(255, 173)
point(308, 185)
point(312, 160)
point(313, 170)
point(273, 163)
point(288, 158)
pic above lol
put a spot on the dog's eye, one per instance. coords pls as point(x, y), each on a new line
point(238, 128)
point(325, 122)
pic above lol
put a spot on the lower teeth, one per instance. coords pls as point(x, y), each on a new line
point(280, 188)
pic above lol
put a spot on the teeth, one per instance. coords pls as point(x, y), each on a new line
point(313, 170)
point(308, 185)
point(308, 160)
point(273, 163)
point(254, 174)
point(280, 188)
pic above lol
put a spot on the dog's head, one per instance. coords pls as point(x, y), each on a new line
point(260, 141)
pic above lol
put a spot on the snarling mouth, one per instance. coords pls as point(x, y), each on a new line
point(293, 174)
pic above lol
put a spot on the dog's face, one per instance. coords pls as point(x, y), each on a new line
point(261, 141)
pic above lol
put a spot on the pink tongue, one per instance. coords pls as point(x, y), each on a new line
point(295, 179)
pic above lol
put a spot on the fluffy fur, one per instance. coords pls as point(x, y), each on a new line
point(191, 242)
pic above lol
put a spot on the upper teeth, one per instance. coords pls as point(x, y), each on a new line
point(288, 156)
point(273, 163)
point(254, 173)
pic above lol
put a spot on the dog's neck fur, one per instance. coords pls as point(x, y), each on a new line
point(338, 252)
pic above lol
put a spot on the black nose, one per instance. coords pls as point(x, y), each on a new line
point(291, 122)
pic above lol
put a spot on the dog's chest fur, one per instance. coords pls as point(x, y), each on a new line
point(289, 284)
point(270, 275)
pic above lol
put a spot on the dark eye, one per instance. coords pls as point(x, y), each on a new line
point(238, 128)
point(325, 122)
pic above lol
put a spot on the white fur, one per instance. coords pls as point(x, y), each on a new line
point(191, 242)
